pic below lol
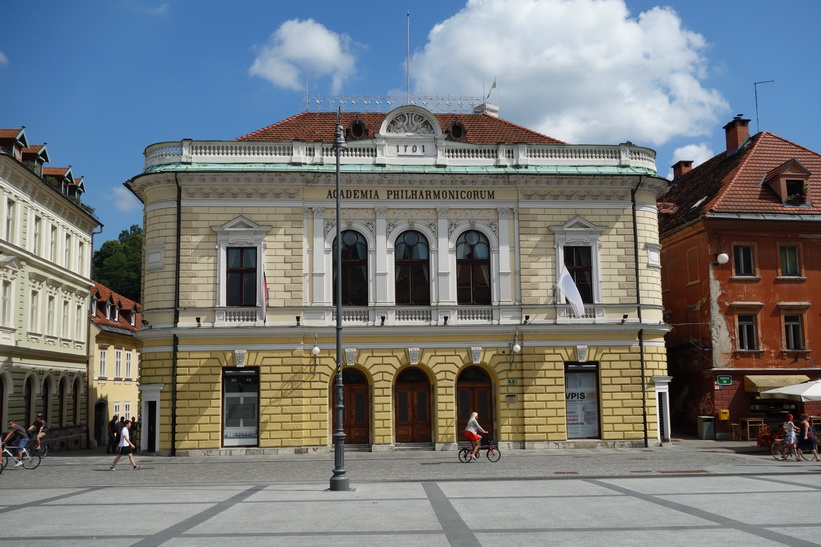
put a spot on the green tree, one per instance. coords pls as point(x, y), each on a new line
point(117, 264)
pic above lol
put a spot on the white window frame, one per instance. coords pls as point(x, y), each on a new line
point(118, 363)
point(34, 311)
point(239, 232)
point(128, 364)
point(578, 232)
point(102, 363)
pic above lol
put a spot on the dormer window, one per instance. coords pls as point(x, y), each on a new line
point(790, 182)
point(357, 130)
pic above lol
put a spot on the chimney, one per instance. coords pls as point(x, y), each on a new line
point(681, 167)
point(737, 131)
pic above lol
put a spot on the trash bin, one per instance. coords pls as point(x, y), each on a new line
point(706, 429)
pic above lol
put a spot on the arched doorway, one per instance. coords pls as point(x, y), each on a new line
point(101, 422)
point(474, 393)
point(412, 407)
point(357, 414)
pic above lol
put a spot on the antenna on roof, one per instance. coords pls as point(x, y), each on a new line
point(755, 86)
point(407, 68)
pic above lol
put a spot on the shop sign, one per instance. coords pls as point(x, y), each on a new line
point(724, 380)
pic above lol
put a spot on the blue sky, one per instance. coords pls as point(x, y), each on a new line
point(100, 81)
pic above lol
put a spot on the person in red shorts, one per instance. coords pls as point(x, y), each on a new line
point(472, 433)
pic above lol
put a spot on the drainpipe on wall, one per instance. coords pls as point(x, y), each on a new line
point(638, 309)
point(175, 347)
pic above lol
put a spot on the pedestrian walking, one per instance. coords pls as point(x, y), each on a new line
point(807, 438)
point(126, 447)
point(111, 446)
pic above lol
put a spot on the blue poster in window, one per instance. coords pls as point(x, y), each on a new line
point(581, 394)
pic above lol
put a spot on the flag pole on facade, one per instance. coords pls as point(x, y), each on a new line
point(571, 292)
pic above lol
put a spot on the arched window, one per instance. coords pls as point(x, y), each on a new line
point(473, 269)
point(412, 265)
point(354, 269)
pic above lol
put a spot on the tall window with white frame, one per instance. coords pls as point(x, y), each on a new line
point(78, 323)
point(11, 209)
point(128, 364)
point(354, 269)
point(66, 316)
point(473, 269)
point(7, 305)
point(36, 240)
point(52, 253)
point(117, 408)
point(118, 363)
point(412, 265)
point(747, 338)
point(51, 330)
point(579, 263)
point(67, 252)
point(103, 353)
point(241, 276)
point(793, 332)
point(34, 312)
point(743, 264)
point(790, 266)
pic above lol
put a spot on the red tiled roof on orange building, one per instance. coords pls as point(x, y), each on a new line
point(319, 126)
point(733, 183)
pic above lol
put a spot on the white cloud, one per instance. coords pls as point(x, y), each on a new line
point(698, 153)
point(300, 48)
point(124, 200)
point(3, 59)
point(584, 71)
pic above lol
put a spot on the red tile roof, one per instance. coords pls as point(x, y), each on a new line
point(55, 171)
point(102, 294)
point(319, 126)
point(732, 183)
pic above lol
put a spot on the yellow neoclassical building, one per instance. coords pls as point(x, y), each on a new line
point(455, 228)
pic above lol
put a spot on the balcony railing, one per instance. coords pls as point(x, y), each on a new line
point(367, 153)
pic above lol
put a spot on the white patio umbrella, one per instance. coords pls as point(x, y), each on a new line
point(807, 391)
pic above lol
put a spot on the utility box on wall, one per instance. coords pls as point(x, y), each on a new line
point(724, 414)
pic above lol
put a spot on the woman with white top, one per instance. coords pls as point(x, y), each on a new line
point(472, 433)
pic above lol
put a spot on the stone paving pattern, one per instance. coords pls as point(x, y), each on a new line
point(679, 494)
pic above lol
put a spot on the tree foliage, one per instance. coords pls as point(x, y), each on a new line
point(117, 264)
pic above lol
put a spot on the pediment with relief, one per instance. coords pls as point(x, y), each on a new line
point(410, 120)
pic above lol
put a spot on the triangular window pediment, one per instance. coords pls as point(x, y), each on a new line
point(577, 224)
point(241, 231)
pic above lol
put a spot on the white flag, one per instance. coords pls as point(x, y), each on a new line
point(571, 292)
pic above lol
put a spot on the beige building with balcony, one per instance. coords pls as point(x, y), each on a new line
point(455, 230)
point(45, 264)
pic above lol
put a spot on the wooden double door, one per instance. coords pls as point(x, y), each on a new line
point(356, 418)
point(412, 407)
point(474, 393)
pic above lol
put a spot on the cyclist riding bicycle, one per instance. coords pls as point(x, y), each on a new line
point(37, 430)
point(21, 437)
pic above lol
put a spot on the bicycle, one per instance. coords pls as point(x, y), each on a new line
point(42, 451)
point(782, 452)
point(30, 461)
point(491, 448)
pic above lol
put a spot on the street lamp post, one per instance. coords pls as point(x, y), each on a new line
point(339, 480)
